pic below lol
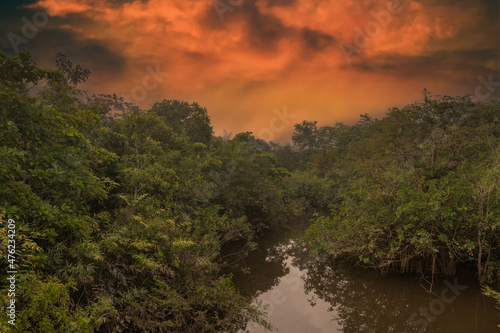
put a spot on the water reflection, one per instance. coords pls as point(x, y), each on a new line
point(262, 269)
point(364, 301)
point(304, 295)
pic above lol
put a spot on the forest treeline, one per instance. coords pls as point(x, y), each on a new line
point(123, 214)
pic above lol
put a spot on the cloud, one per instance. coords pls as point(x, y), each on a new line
point(10, 6)
point(407, 66)
point(281, 3)
point(270, 53)
point(264, 30)
point(94, 53)
point(316, 40)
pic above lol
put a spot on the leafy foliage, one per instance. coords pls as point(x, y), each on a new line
point(112, 236)
point(125, 216)
point(422, 190)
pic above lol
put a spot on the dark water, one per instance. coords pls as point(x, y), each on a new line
point(304, 295)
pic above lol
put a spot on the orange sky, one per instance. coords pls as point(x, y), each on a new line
point(249, 59)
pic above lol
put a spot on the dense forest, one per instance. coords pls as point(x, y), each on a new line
point(125, 216)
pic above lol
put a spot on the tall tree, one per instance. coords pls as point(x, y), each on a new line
point(192, 118)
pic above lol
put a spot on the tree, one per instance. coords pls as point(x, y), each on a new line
point(109, 236)
point(47, 185)
point(420, 189)
point(192, 118)
point(305, 134)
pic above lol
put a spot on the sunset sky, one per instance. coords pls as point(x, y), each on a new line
point(248, 60)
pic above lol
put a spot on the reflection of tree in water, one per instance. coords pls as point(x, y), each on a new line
point(263, 268)
point(364, 301)
point(361, 301)
point(362, 304)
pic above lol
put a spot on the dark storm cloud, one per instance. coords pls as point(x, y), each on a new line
point(281, 3)
point(491, 7)
point(90, 53)
point(50, 39)
point(492, 10)
point(465, 62)
point(11, 18)
point(119, 3)
point(454, 2)
point(316, 40)
point(264, 30)
point(50, 33)
point(8, 7)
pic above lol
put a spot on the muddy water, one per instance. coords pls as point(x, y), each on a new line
point(304, 295)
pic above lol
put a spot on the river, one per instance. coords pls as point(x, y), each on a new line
point(303, 295)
